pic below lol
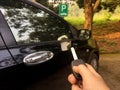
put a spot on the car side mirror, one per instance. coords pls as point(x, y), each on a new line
point(84, 34)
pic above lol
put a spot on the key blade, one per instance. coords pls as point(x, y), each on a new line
point(74, 53)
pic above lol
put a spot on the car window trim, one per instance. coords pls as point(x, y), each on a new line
point(9, 30)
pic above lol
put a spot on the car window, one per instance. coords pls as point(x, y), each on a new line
point(30, 24)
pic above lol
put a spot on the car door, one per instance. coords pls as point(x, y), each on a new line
point(35, 29)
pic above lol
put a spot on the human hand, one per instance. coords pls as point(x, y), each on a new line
point(91, 80)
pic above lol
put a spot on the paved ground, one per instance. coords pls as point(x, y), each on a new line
point(109, 69)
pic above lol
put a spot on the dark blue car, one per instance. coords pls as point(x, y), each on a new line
point(34, 38)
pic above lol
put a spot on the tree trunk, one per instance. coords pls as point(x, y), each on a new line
point(90, 8)
point(88, 14)
point(97, 3)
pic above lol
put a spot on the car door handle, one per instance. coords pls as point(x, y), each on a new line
point(38, 57)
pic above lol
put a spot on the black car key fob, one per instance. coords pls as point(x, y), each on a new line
point(76, 62)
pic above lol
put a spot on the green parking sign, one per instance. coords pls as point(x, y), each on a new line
point(63, 9)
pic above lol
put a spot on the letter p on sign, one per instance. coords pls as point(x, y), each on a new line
point(63, 9)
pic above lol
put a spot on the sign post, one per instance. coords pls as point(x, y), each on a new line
point(63, 10)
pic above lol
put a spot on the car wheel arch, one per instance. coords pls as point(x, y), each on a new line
point(94, 59)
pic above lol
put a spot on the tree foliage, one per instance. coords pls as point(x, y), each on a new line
point(105, 4)
point(81, 3)
point(50, 6)
point(110, 4)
